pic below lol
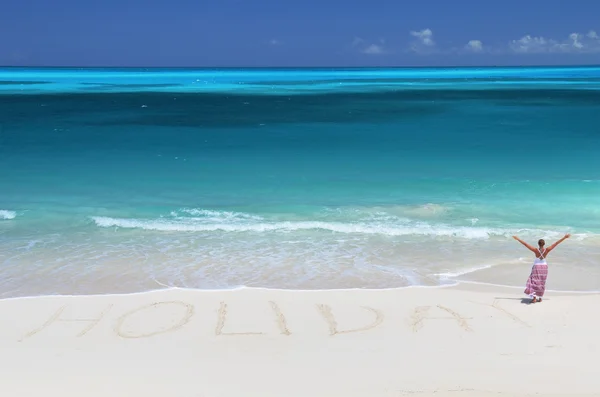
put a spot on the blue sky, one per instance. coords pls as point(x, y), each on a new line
point(298, 33)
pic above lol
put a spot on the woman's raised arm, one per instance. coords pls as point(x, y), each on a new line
point(532, 249)
point(566, 236)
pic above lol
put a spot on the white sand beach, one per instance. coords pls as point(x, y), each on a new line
point(457, 341)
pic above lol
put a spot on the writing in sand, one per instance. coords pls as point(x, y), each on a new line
point(225, 320)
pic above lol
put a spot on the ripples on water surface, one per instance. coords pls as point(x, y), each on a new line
point(126, 180)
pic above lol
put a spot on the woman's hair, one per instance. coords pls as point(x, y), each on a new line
point(541, 242)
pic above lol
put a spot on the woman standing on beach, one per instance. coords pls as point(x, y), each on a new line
point(536, 283)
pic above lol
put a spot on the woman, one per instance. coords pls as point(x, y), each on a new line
point(536, 283)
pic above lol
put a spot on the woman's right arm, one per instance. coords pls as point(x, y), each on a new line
point(529, 247)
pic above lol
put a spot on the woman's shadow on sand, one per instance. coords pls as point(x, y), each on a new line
point(524, 301)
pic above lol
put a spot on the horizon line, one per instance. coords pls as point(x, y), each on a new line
point(304, 67)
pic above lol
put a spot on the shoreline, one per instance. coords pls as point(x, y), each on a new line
point(458, 285)
point(307, 261)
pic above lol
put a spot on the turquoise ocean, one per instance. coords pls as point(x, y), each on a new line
point(126, 180)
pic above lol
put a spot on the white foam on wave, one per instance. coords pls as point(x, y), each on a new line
point(5, 214)
point(462, 272)
point(234, 222)
point(167, 288)
point(215, 215)
point(451, 275)
point(184, 225)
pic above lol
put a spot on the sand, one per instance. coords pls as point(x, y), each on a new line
point(463, 341)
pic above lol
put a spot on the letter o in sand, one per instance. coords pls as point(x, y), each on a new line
point(160, 317)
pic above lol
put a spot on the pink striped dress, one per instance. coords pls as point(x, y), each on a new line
point(536, 283)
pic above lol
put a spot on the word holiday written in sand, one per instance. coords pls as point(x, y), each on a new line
point(186, 311)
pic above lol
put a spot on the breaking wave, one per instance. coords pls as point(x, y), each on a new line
point(4, 214)
point(198, 220)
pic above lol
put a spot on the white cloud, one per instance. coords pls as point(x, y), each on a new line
point(423, 42)
point(576, 40)
point(530, 44)
point(369, 48)
point(373, 49)
point(424, 37)
point(574, 43)
point(474, 46)
point(274, 42)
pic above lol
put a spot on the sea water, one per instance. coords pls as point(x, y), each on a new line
point(123, 180)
